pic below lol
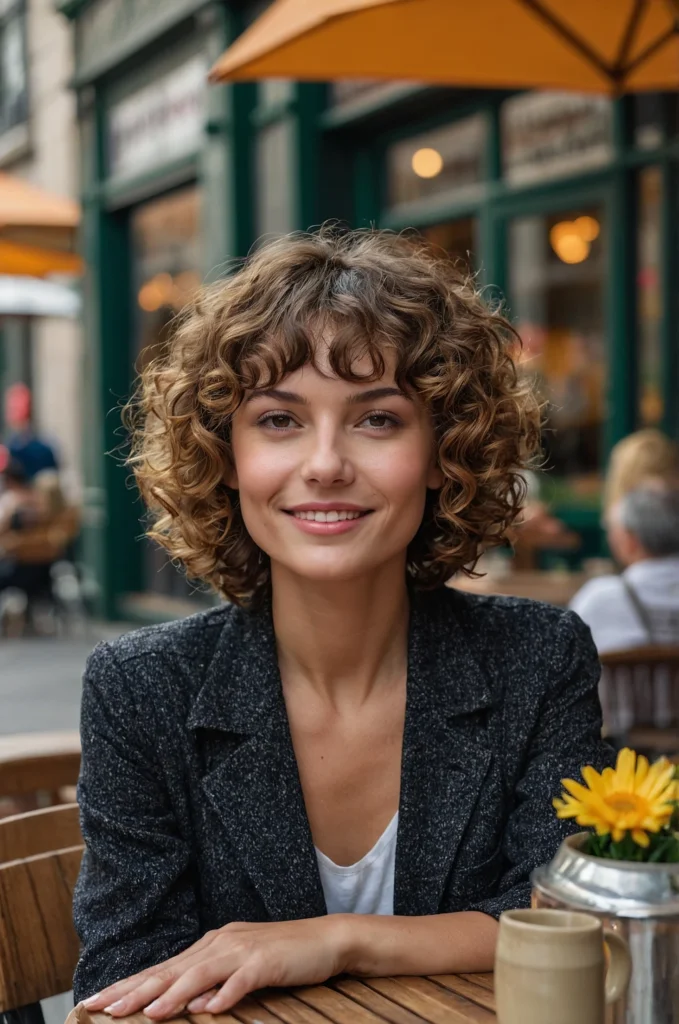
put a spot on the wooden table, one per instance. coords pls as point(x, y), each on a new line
point(446, 999)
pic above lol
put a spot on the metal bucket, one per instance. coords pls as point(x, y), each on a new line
point(641, 903)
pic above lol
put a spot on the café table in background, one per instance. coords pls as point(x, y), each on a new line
point(444, 999)
point(555, 587)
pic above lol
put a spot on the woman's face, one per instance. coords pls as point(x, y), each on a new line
point(333, 475)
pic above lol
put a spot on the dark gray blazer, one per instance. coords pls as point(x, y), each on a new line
point(192, 809)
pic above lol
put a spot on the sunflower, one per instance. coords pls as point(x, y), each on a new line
point(634, 797)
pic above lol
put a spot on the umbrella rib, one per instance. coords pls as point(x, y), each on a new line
point(628, 37)
point(648, 52)
point(576, 41)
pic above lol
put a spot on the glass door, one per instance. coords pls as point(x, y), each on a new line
point(557, 281)
point(166, 262)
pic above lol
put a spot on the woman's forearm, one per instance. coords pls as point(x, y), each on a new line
point(378, 946)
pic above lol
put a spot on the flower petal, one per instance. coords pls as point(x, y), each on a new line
point(624, 769)
point(640, 837)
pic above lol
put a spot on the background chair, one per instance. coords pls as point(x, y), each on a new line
point(38, 943)
point(38, 769)
point(640, 699)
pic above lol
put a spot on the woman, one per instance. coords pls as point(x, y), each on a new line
point(350, 767)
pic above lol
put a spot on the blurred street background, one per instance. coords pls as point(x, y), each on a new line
point(126, 180)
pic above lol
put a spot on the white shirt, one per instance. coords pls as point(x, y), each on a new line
point(366, 887)
point(605, 606)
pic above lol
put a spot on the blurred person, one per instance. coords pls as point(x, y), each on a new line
point(641, 605)
point(20, 503)
point(645, 454)
point(24, 445)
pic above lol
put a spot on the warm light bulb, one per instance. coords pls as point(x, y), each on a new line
point(427, 163)
point(587, 227)
point(568, 243)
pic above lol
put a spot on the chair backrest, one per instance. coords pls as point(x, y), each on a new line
point(29, 835)
point(41, 762)
point(640, 687)
point(38, 943)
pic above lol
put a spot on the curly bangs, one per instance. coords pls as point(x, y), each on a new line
point(364, 291)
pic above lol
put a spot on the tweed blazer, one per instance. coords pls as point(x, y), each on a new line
point(192, 809)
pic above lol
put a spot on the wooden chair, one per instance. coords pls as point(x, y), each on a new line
point(640, 698)
point(38, 763)
point(38, 943)
point(29, 835)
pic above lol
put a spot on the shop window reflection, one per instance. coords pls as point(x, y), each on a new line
point(649, 297)
point(458, 238)
point(557, 270)
point(166, 261)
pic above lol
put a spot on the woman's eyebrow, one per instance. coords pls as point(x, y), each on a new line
point(374, 394)
point(280, 396)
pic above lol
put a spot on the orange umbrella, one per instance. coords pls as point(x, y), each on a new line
point(37, 230)
point(605, 46)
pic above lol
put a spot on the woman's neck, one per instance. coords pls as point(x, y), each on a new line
point(343, 640)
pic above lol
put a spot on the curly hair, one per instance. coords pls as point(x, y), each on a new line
point(376, 290)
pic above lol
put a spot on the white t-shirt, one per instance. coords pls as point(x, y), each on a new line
point(605, 606)
point(366, 887)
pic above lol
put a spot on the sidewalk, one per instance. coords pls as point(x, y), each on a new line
point(40, 679)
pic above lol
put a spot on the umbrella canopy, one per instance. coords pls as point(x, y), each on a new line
point(29, 259)
point(27, 296)
point(29, 216)
point(605, 46)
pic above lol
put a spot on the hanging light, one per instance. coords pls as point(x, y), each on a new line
point(588, 227)
point(567, 241)
point(427, 163)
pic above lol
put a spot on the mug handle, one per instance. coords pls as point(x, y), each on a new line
point(619, 966)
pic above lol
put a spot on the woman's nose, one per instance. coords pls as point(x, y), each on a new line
point(326, 463)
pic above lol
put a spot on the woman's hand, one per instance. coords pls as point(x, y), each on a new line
point(226, 964)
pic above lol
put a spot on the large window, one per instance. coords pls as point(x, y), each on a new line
point(13, 64)
point(166, 260)
point(649, 297)
point(557, 272)
point(447, 162)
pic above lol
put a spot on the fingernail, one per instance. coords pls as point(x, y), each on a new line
point(155, 1005)
point(212, 1005)
point(118, 1005)
point(91, 999)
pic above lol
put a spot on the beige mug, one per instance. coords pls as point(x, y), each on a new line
point(550, 968)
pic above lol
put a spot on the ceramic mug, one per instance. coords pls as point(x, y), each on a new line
point(550, 966)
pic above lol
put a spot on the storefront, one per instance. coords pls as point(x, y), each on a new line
point(565, 205)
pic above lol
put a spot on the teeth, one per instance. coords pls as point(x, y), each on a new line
point(333, 516)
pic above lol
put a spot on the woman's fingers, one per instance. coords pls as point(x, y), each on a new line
point(112, 993)
point(116, 999)
point(243, 981)
point(191, 984)
point(198, 1004)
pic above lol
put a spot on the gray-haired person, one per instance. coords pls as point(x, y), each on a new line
point(641, 605)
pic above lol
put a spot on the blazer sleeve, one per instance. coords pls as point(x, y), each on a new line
point(134, 902)
point(566, 738)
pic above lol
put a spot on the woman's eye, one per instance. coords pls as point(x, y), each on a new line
point(277, 420)
point(381, 421)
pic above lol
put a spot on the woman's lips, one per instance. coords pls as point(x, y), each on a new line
point(327, 522)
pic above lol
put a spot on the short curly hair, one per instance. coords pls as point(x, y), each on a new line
point(376, 290)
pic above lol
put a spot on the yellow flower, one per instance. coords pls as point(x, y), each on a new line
point(634, 797)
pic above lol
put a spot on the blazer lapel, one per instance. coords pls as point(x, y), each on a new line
point(254, 785)
point(444, 760)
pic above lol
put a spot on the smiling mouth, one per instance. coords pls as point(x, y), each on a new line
point(331, 516)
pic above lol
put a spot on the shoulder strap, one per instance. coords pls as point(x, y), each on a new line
point(640, 609)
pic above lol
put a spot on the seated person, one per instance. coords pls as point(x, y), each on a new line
point(20, 503)
point(346, 766)
point(641, 605)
